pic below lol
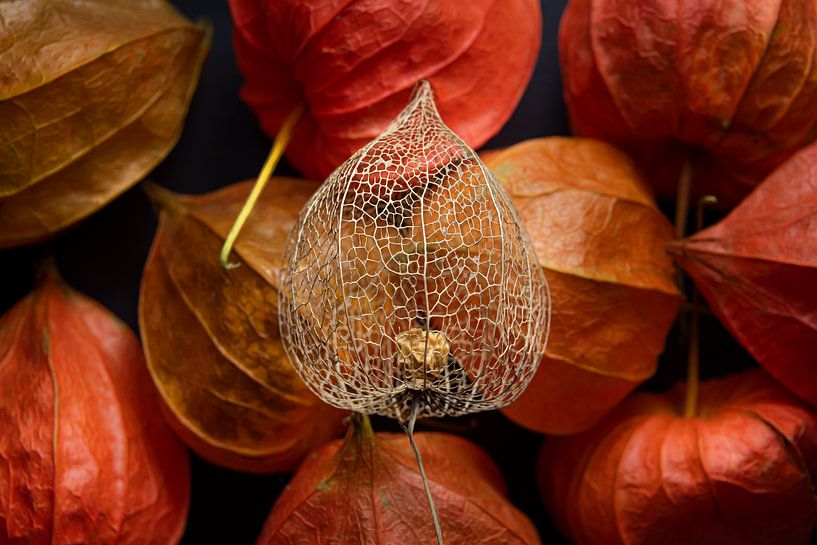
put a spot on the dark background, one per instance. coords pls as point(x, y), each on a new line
point(222, 144)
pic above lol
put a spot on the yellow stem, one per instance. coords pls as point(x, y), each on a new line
point(278, 146)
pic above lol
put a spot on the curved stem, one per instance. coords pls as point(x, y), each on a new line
point(409, 428)
point(278, 146)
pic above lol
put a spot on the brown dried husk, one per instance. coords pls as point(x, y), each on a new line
point(600, 239)
point(85, 456)
point(211, 335)
point(92, 96)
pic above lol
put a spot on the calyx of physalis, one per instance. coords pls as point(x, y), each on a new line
point(409, 287)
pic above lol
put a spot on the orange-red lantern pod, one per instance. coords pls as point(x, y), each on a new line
point(729, 86)
point(741, 471)
point(757, 270)
point(85, 456)
point(345, 69)
point(366, 489)
point(601, 241)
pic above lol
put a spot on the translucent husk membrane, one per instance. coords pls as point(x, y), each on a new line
point(410, 288)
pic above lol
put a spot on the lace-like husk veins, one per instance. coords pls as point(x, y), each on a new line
point(409, 275)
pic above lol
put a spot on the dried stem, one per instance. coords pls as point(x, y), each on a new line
point(162, 198)
point(682, 210)
point(278, 146)
point(47, 270)
point(691, 399)
point(682, 200)
point(409, 429)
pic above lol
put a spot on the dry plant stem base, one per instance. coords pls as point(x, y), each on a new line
point(693, 356)
point(691, 398)
point(409, 429)
point(279, 145)
point(682, 210)
point(684, 191)
point(693, 361)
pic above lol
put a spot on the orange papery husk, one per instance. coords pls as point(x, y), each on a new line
point(352, 65)
point(729, 86)
point(740, 471)
point(85, 455)
point(757, 269)
point(366, 489)
point(601, 242)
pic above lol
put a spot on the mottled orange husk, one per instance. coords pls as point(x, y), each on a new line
point(600, 240)
point(211, 335)
point(85, 456)
point(353, 63)
point(731, 86)
point(367, 489)
point(92, 96)
point(757, 270)
point(740, 472)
